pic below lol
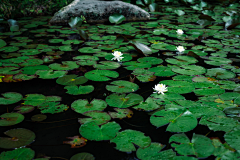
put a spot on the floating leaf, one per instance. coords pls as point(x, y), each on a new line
point(126, 140)
point(19, 154)
point(200, 145)
point(20, 137)
point(38, 117)
point(122, 86)
point(92, 131)
point(98, 117)
point(9, 119)
point(123, 101)
point(82, 105)
point(76, 141)
point(82, 156)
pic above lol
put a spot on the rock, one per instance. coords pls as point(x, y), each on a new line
point(96, 11)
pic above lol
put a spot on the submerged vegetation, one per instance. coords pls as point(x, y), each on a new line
point(87, 91)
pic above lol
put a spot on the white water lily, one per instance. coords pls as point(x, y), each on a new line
point(160, 88)
point(117, 56)
point(179, 32)
point(180, 49)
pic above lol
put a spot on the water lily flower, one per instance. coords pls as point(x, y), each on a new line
point(160, 88)
point(180, 49)
point(117, 55)
point(179, 32)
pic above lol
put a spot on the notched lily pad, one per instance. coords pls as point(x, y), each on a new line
point(122, 86)
point(82, 105)
point(98, 117)
point(24, 109)
point(92, 131)
point(127, 139)
point(123, 101)
point(9, 119)
point(20, 137)
point(121, 113)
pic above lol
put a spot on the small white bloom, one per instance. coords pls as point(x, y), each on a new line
point(160, 88)
point(179, 32)
point(180, 49)
point(117, 55)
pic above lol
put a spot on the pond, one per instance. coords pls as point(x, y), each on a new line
point(63, 95)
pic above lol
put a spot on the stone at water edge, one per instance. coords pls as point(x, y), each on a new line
point(96, 11)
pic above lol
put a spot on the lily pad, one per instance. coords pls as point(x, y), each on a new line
point(92, 131)
point(38, 117)
point(82, 156)
point(220, 73)
point(179, 87)
point(121, 113)
point(127, 139)
point(190, 70)
point(98, 117)
point(11, 97)
point(180, 120)
point(200, 146)
point(20, 137)
point(24, 109)
point(82, 105)
point(19, 153)
point(123, 101)
point(153, 152)
point(101, 75)
point(122, 86)
point(71, 80)
point(9, 119)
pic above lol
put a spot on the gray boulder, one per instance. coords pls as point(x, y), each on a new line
point(96, 11)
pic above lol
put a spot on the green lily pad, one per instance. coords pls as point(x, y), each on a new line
point(144, 75)
point(24, 109)
point(75, 90)
point(149, 105)
point(123, 101)
point(122, 86)
point(52, 107)
point(121, 113)
point(49, 74)
point(92, 131)
point(220, 73)
point(190, 70)
point(208, 91)
point(71, 80)
point(38, 117)
point(126, 140)
point(101, 75)
point(107, 65)
point(82, 105)
point(180, 120)
point(82, 156)
point(11, 97)
point(232, 138)
point(20, 137)
point(19, 153)
point(66, 65)
point(200, 146)
point(182, 60)
point(179, 87)
point(2, 43)
point(98, 117)
point(9, 119)
point(219, 123)
point(151, 60)
point(162, 71)
point(153, 152)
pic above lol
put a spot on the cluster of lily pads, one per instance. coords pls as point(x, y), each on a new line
point(216, 87)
